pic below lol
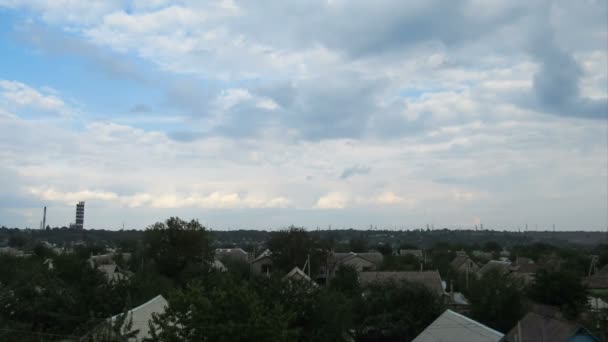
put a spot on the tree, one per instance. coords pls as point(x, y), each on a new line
point(292, 247)
point(562, 289)
point(496, 300)
point(178, 249)
point(358, 245)
point(395, 311)
point(226, 311)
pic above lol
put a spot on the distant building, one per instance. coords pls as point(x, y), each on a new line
point(359, 261)
point(263, 263)
point(297, 275)
point(79, 223)
point(429, 279)
point(462, 263)
point(538, 327)
point(502, 267)
point(413, 252)
point(454, 327)
point(232, 253)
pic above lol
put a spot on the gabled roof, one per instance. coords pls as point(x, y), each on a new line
point(237, 253)
point(603, 271)
point(141, 315)
point(537, 327)
point(373, 257)
point(415, 252)
point(430, 279)
point(500, 266)
point(297, 274)
point(265, 254)
point(596, 282)
point(454, 327)
point(459, 260)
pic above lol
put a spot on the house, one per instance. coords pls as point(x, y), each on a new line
point(429, 279)
point(462, 263)
point(140, 318)
point(525, 269)
point(232, 253)
point(10, 251)
point(262, 264)
point(596, 303)
point(596, 282)
point(454, 327)
point(535, 326)
point(107, 259)
point(297, 275)
point(359, 261)
point(502, 267)
point(413, 252)
point(113, 273)
point(482, 255)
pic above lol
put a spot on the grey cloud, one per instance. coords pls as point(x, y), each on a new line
point(556, 84)
point(186, 136)
point(63, 44)
point(355, 170)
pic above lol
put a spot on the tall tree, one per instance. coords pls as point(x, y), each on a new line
point(293, 246)
point(562, 289)
point(496, 300)
point(227, 311)
point(395, 311)
point(179, 249)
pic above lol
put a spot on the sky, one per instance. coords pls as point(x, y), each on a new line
point(265, 114)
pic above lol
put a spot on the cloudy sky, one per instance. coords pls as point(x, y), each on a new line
point(262, 114)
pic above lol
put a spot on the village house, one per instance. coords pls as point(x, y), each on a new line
point(454, 327)
point(429, 279)
point(359, 261)
point(232, 253)
point(535, 326)
point(262, 264)
point(463, 263)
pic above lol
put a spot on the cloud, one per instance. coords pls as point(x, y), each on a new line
point(557, 82)
point(355, 170)
point(332, 200)
point(20, 95)
point(214, 200)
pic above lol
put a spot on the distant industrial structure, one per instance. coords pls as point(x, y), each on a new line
point(79, 216)
point(43, 223)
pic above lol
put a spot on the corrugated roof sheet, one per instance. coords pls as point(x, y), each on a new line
point(454, 327)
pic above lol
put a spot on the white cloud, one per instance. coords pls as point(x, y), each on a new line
point(332, 200)
point(18, 95)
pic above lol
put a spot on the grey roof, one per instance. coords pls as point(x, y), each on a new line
point(454, 327)
point(415, 252)
point(603, 271)
point(500, 266)
point(429, 279)
point(265, 254)
point(537, 327)
point(236, 253)
point(596, 282)
point(296, 274)
point(141, 315)
point(339, 258)
point(459, 260)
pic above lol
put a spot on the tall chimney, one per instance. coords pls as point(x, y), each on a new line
point(44, 219)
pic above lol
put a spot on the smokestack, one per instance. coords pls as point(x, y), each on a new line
point(44, 219)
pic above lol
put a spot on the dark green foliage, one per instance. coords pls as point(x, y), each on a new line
point(562, 289)
point(395, 311)
point(345, 281)
point(178, 249)
point(358, 245)
point(385, 249)
point(292, 247)
point(227, 311)
point(496, 300)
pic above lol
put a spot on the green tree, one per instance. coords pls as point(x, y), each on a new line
point(395, 311)
point(562, 289)
point(291, 247)
point(358, 245)
point(179, 249)
point(226, 311)
point(496, 300)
